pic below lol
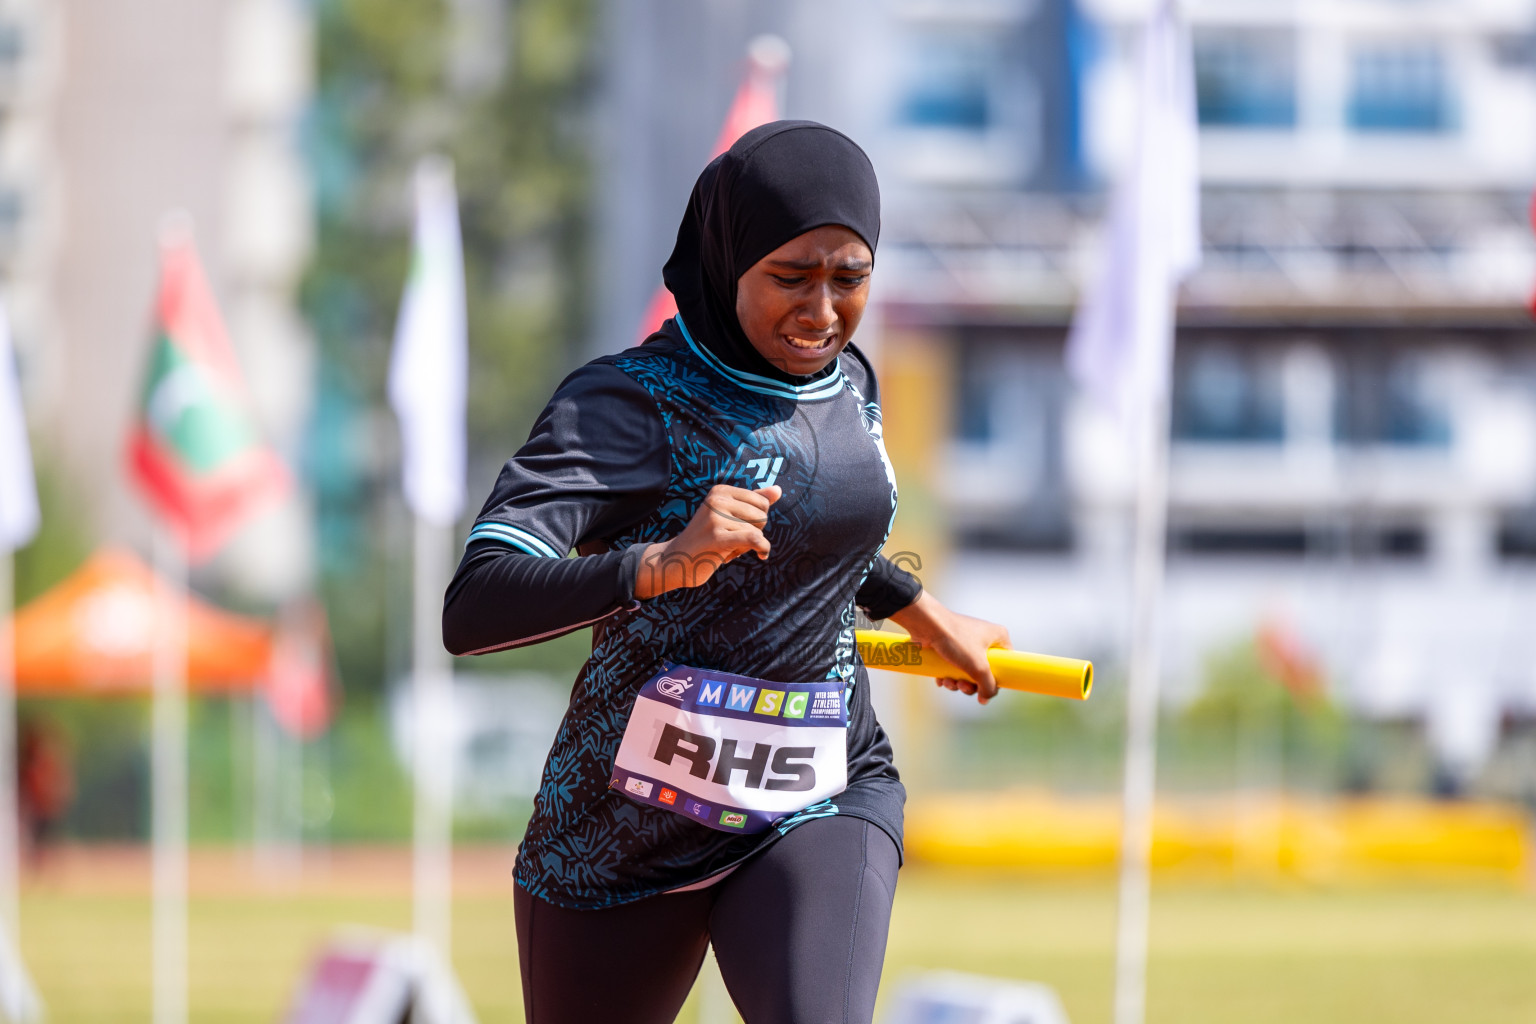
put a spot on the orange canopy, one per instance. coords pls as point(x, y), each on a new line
point(95, 633)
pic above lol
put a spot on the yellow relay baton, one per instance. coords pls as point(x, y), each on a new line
point(1014, 670)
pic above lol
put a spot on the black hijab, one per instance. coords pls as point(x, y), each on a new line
point(777, 182)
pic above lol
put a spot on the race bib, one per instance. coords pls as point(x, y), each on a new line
point(734, 753)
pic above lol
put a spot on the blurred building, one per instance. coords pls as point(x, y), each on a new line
point(1355, 402)
point(498, 734)
point(116, 114)
point(29, 193)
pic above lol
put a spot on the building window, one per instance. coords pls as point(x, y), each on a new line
point(1003, 476)
point(1413, 414)
point(1399, 87)
point(1394, 402)
point(1246, 79)
point(966, 107)
point(1363, 536)
point(13, 54)
point(1228, 395)
point(950, 83)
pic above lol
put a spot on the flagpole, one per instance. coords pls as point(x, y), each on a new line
point(19, 1002)
point(198, 507)
point(428, 381)
point(1140, 781)
point(433, 749)
point(168, 776)
point(1120, 350)
point(19, 521)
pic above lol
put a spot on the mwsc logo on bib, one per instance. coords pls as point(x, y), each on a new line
point(714, 693)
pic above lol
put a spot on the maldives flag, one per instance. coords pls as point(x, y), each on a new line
point(756, 103)
point(195, 450)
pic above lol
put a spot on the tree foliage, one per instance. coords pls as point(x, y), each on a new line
point(386, 95)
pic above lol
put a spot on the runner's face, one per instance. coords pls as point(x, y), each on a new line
point(800, 304)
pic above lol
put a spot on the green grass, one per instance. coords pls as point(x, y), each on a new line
point(1219, 953)
point(1224, 954)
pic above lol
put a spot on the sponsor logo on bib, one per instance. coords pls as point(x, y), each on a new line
point(677, 689)
point(667, 796)
point(735, 819)
point(639, 787)
point(698, 810)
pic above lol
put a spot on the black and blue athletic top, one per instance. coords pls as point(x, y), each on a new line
point(622, 457)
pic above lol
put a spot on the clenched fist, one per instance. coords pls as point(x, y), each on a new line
point(727, 525)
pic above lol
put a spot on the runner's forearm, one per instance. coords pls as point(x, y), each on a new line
point(500, 598)
point(887, 589)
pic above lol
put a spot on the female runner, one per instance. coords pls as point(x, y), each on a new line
point(720, 775)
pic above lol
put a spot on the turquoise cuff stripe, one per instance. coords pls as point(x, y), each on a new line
point(524, 548)
point(513, 536)
point(766, 386)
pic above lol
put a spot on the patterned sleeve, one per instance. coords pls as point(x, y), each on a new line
point(595, 463)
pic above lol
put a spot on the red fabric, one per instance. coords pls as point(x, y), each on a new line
point(756, 103)
point(299, 680)
point(658, 311)
point(45, 783)
point(1284, 656)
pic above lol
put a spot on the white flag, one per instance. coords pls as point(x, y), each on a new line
point(428, 372)
point(18, 494)
point(1121, 343)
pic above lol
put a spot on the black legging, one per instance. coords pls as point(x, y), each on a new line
point(799, 932)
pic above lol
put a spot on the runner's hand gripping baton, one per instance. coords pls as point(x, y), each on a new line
point(1013, 670)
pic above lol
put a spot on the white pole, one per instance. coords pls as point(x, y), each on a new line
point(277, 838)
point(427, 380)
point(432, 745)
point(19, 519)
point(1141, 714)
point(263, 770)
point(168, 779)
point(10, 820)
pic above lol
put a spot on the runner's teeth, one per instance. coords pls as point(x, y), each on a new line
point(806, 342)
